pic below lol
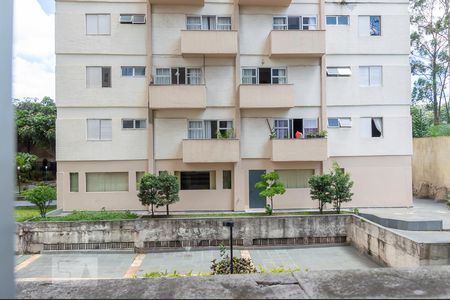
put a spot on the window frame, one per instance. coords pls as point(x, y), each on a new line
point(336, 17)
point(203, 128)
point(97, 14)
point(209, 16)
point(285, 24)
point(132, 19)
point(301, 18)
point(133, 68)
point(370, 25)
point(134, 124)
point(212, 183)
point(369, 69)
point(280, 171)
point(256, 77)
point(78, 182)
point(338, 73)
point(100, 139)
point(156, 76)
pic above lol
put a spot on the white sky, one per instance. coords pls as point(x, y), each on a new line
point(33, 50)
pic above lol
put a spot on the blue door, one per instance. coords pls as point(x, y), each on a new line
point(256, 201)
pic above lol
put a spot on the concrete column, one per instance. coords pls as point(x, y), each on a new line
point(148, 42)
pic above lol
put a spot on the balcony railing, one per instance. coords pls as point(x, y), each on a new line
point(177, 96)
point(211, 151)
point(178, 2)
point(297, 43)
point(266, 95)
point(209, 42)
point(310, 149)
point(265, 2)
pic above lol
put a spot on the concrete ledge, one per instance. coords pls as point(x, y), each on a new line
point(424, 282)
point(432, 225)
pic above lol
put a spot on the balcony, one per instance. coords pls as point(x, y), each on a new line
point(211, 151)
point(300, 149)
point(265, 2)
point(297, 43)
point(178, 2)
point(209, 42)
point(266, 96)
point(177, 96)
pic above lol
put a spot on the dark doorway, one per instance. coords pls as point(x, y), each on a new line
point(256, 201)
point(265, 76)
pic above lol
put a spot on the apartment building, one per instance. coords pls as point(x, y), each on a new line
point(218, 92)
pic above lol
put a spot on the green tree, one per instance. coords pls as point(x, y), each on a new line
point(41, 197)
point(148, 191)
point(341, 187)
point(271, 186)
point(35, 122)
point(429, 54)
point(321, 189)
point(168, 189)
point(24, 164)
point(420, 122)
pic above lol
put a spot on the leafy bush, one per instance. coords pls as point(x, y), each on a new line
point(93, 216)
point(240, 266)
point(148, 191)
point(321, 189)
point(439, 130)
point(41, 197)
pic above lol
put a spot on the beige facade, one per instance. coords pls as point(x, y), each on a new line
point(215, 92)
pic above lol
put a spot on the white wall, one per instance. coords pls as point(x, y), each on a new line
point(71, 135)
point(125, 91)
point(70, 24)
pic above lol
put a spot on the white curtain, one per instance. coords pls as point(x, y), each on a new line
point(106, 130)
point(208, 134)
point(295, 179)
point(209, 23)
point(223, 23)
point(93, 77)
point(310, 126)
point(91, 24)
point(364, 25)
point(279, 23)
point(162, 76)
point(248, 76)
point(107, 182)
point(194, 75)
point(195, 131)
point(282, 129)
point(364, 76)
point(93, 129)
point(194, 23)
point(378, 124)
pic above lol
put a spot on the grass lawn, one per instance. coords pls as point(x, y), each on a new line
point(92, 216)
point(26, 213)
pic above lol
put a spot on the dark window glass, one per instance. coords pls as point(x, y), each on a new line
point(178, 75)
point(127, 124)
point(343, 20)
point(127, 71)
point(140, 123)
point(195, 180)
point(106, 76)
point(375, 131)
point(265, 75)
point(139, 71)
point(226, 180)
point(293, 23)
point(331, 20)
point(333, 122)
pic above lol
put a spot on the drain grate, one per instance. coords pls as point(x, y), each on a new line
point(191, 243)
point(89, 246)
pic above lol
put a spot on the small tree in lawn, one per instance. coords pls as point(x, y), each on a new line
point(167, 190)
point(271, 187)
point(148, 191)
point(321, 189)
point(41, 197)
point(341, 186)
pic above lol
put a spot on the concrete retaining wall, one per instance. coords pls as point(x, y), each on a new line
point(145, 234)
point(391, 249)
point(431, 174)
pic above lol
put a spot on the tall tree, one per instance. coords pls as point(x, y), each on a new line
point(429, 54)
point(35, 122)
point(446, 5)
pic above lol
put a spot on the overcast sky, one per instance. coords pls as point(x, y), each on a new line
point(34, 48)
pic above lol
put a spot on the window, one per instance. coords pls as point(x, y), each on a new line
point(107, 182)
point(98, 24)
point(371, 127)
point(208, 23)
point(295, 179)
point(254, 75)
point(339, 72)
point(370, 76)
point(99, 130)
point(166, 76)
point(139, 176)
point(208, 129)
point(197, 180)
point(133, 71)
point(369, 25)
point(340, 122)
point(294, 22)
point(338, 20)
point(132, 19)
point(73, 182)
point(98, 77)
point(226, 184)
point(134, 124)
point(286, 128)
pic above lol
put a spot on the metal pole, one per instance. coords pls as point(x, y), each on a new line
point(231, 249)
point(7, 149)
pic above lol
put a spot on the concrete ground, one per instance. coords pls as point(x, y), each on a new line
point(114, 265)
point(422, 210)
